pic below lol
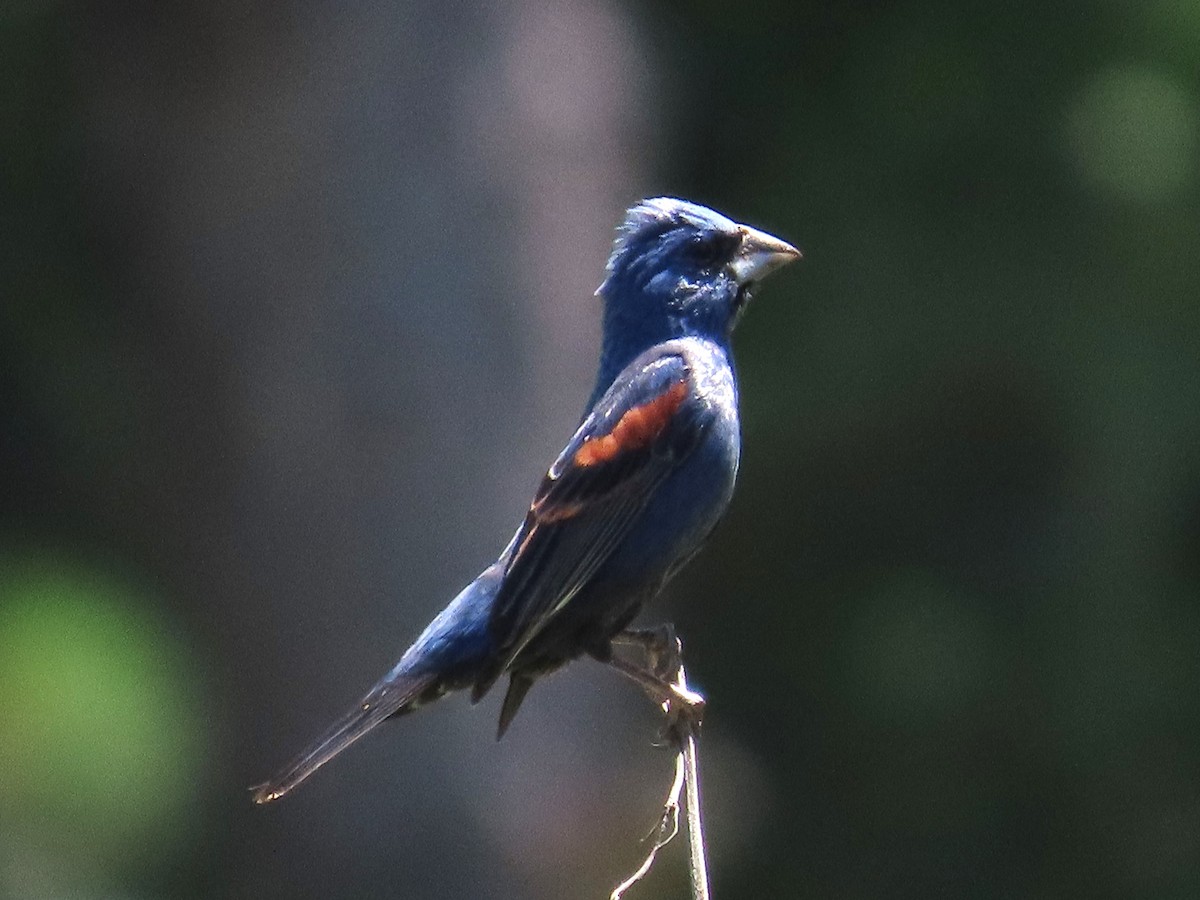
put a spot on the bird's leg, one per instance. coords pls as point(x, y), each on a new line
point(661, 646)
point(660, 678)
point(664, 652)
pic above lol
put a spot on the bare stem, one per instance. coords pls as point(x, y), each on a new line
point(697, 856)
point(687, 775)
point(663, 834)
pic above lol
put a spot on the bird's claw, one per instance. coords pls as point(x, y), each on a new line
point(661, 677)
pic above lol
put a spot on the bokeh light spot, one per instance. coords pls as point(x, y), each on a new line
point(1133, 134)
point(100, 746)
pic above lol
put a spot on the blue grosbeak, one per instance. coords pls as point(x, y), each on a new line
point(638, 488)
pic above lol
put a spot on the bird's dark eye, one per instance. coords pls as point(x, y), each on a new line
point(708, 250)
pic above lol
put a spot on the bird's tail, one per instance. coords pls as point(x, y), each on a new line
point(398, 692)
point(446, 657)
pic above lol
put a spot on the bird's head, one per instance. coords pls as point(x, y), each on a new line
point(678, 268)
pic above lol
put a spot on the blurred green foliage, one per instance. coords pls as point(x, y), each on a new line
point(100, 753)
point(970, 503)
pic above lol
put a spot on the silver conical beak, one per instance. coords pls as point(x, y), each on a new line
point(759, 255)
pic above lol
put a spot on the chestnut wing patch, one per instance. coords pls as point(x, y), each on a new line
point(636, 429)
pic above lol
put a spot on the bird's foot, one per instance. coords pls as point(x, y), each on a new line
point(661, 676)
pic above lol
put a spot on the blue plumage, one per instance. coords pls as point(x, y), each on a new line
point(630, 499)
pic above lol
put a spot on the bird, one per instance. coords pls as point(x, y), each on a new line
point(633, 495)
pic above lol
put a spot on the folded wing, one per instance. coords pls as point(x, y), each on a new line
point(637, 434)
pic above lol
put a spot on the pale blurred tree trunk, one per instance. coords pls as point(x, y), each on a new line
point(355, 248)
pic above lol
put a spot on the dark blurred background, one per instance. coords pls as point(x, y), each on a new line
point(296, 307)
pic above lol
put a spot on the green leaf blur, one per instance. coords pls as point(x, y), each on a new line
point(99, 754)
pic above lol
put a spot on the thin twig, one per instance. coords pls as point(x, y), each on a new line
point(663, 834)
point(687, 776)
point(697, 856)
